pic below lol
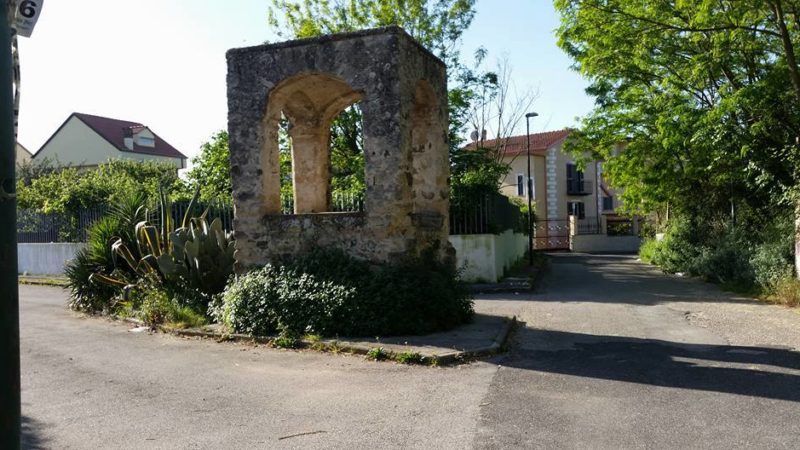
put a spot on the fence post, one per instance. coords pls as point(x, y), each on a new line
point(573, 229)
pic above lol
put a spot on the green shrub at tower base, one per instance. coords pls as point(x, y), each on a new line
point(328, 293)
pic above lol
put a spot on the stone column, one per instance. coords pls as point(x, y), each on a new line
point(573, 229)
point(552, 185)
point(311, 165)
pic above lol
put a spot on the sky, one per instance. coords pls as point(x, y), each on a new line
point(162, 63)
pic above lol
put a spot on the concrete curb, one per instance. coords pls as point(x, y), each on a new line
point(43, 281)
point(357, 348)
point(494, 348)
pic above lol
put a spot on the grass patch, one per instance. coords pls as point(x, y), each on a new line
point(285, 340)
point(409, 357)
point(377, 354)
point(186, 317)
point(786, 292)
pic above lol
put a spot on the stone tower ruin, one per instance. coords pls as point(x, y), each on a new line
point(402, 90)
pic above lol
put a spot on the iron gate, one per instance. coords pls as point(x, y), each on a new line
point(551, 235)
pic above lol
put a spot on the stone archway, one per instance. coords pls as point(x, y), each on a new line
point(402, 92)
point(310, 102)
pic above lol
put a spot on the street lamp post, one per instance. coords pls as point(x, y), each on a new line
point(530, 187)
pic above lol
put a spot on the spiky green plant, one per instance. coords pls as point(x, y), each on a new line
point(198, 254)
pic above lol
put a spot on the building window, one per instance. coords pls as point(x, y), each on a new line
point(576, 209)
point(608, 203)
point(575, 182)
point(146, 141)
point(520, 185)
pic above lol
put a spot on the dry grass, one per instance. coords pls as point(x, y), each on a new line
point(787, 292)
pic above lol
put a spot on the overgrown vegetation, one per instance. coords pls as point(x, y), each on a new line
point(68, 190)
point(154, 272)
point(328, 293)
point(697, 119)
point(377, 354)
point(753, 261)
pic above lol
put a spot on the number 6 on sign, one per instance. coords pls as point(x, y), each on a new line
point(28, 12)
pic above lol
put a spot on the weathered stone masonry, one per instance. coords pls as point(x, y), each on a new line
point(402, 90)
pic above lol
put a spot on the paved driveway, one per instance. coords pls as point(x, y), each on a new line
point(613, 355)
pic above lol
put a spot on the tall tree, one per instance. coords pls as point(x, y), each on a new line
point(703, 93)
point(436, 24)
point(211, 169)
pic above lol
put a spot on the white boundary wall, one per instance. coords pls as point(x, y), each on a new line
point(601, 243)
point(486, 257)
point(482, 257)
point(45, 259)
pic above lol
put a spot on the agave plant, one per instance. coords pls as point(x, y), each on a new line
point(197, 254)
point(201, 254)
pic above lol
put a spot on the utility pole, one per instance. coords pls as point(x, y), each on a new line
point(10, 411)
point(529, 185)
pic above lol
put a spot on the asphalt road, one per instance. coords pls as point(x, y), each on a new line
point(613, 354)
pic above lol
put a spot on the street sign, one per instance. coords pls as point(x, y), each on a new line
point(28, 12)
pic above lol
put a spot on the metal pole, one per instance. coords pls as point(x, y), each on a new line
point(530, 210)
point(9, 299)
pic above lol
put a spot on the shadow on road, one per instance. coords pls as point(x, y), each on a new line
point(755, 371)
point(621, 279)
point(31, 436)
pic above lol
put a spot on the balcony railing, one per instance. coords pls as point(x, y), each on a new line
point(579, 187)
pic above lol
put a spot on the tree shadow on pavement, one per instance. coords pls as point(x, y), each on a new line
point(30, 434)
point(754, 371)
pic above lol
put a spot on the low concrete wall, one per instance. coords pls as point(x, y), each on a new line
point(45, 259)
point(486, 257)
point(601, 243)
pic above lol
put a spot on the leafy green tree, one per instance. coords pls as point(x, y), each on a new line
point(703, 95)
point(69, 190)
point(347, 153)
point(436, 24)
point(211, 169)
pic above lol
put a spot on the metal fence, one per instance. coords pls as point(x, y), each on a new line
point(588, 225)
point(215, 210)
point(620, 227)
point(345, 202)
point(38, 227)
point(486, 215)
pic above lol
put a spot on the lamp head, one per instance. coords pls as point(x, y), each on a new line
point(531, 114)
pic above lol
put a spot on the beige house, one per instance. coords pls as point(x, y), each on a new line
point(23, 155)
point(84, 140)
point(559, 189)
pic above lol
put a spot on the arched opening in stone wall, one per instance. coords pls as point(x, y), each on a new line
point(285, 164)
point(347, 160)
point(298, 122)
point(426, 158)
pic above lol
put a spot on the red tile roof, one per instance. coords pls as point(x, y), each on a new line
point(113, 131)
point(540, 142)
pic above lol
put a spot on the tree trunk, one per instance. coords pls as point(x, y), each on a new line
point(788, 47)
point(797, 239)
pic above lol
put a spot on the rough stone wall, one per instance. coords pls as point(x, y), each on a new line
point(402, 89)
